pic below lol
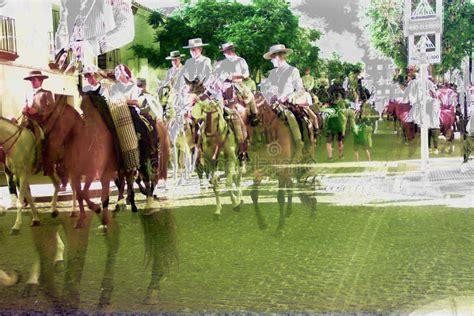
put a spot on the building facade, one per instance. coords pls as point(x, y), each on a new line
point(27, 32)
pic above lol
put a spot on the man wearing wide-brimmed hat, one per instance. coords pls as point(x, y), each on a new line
point(198, 67)
point(284, 84)
point(176, 66)
point(39, 105)
point(232, 64)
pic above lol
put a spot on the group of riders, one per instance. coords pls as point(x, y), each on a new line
point(304, 103)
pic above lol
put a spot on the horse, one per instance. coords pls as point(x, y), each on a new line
point(282, 153)
point(89, 152)
point(448, 100)
point(216, 137)
point(159, 230)
point(20, 152)
point(400, 111)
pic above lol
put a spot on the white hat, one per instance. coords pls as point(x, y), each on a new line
point(194, 43)
point(279, 48)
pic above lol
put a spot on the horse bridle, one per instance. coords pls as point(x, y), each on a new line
point(17, 134)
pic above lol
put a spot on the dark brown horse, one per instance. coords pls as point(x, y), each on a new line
point(400, 111)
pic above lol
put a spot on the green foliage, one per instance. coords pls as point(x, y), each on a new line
point(337, 69)
point(385, 21)
point(253, 28)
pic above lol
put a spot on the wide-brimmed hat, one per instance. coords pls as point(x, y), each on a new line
point(227, 46)
point(35, 74)
point(194, 43)
point(279, 48)
point(141, 82)
point(175, 55)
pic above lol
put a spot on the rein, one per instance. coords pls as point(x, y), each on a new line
point(17, 134)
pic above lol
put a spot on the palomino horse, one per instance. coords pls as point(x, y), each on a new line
point(281, 153)
point(20, 152)
point(217, 137)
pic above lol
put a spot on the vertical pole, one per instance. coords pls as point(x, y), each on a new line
point(424, 116)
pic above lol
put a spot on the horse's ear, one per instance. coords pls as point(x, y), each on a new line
point(188, 82)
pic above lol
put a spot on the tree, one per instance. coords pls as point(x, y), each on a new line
point(385, 21)
point(252, 28)
point(337, 69)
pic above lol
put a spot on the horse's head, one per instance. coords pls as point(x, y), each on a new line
point(164, 94)
point(194, 86)
point(390, 108)
point(265, 113)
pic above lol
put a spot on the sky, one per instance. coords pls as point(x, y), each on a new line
point(339, 34)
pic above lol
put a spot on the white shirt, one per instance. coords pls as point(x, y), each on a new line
point(230, 66)
point(199, 68)
point(30, 96)
point(282, 81)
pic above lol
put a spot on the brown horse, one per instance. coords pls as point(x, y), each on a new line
point(281, 153)
point(400, 111)
point(88, 152)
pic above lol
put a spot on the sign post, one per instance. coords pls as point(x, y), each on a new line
point(423, 27)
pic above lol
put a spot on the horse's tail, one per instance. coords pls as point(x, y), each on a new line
point(160, 235)
point(164, 154)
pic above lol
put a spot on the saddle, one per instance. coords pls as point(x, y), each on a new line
point(308, 131)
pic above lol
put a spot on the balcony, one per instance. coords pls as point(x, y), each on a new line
point(7, 39)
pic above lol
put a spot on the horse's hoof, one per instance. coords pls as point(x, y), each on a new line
point(79, 224)
point(134, 208)
point(238, 207)
point(105, 295)
point(152, 297)
point(278, 233)
point(101, 230)
point(217, 217)
point(31, 290)
point(10, 278)
point(54, 214)
point(59, 266)
point(289, 212)
point(262, 225)
point(14, 232)
point(35, 223)
point(73, 214)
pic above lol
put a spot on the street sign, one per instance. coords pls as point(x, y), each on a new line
point(422, 21)
point(432, 42)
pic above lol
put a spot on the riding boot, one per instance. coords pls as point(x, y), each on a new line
point(296, 133)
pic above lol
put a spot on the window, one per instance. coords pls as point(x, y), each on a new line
point(109, 60)
point(7, 38)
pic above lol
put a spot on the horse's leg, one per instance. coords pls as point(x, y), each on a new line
point(77, 242)
point(105, 192)
point(120, 184)
point(131, 192)
point(289, 192)
point(59, 257)
point(112, 242)
point(215, 188)
point(76, 186)
point(45, 241)
point(74, 203)
point(11, 189)
point(25, 193)
point(56, 183)
point(281, 204)
point(32, 284)
point(258, 213)
point(175, 161)
point(85, 195)
point(157, 273)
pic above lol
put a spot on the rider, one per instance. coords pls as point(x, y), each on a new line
point(39, 105)
point(149, 107)
point(284, 84)
point(171, 79)
point(198, 67)
point(308, 80)
point(125, 90)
